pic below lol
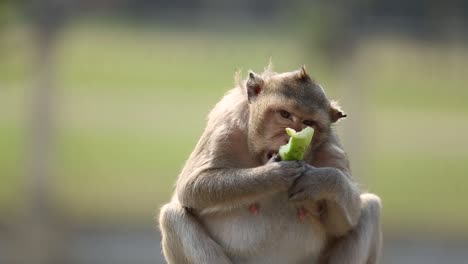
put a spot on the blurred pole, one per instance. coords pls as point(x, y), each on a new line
point(36, 225)
point(39, 230)
point(40, 156)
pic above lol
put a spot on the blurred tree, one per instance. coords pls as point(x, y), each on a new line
point(39, 234)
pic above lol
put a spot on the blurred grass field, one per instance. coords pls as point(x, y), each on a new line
point(133, 101)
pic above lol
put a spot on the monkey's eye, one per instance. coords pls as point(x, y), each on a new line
point(309, 123)
point(285, 114)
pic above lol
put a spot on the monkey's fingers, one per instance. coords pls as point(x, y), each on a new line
point(298, 196)
point(275, 158)
point(298, 192)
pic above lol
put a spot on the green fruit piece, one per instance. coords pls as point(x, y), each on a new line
point(297, 145)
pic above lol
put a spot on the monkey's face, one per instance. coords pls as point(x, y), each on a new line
point(278, 101)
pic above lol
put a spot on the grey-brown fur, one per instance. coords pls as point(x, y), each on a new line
point(210, 217)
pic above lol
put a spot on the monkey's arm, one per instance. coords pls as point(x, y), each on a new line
point(330, 180)
point(210, 187)
point(343, 202)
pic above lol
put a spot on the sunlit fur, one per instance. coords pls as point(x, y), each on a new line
point(208, 219)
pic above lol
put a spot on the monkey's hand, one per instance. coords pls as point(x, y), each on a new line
point(218, 187)
point(285, 173)
point(341, 194)
point(318, 184)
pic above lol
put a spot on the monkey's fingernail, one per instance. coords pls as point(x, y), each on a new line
point(277, 157)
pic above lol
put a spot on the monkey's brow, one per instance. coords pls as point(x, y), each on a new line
point(300, 111)
point(309, 114)
point(304, 109)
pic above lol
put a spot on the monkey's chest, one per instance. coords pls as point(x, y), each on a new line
point(272, 232)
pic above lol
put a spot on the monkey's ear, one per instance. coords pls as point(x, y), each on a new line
point(254, 86)
point(335, 112)
point(302, 74)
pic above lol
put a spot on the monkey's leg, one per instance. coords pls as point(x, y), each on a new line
point(363, 244)
point(184, 240)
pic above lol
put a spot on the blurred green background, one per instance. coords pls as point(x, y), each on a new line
point(132, 93)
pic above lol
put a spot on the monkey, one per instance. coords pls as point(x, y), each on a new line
point(236, 202)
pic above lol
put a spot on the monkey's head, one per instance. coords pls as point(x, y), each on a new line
point(291, 99)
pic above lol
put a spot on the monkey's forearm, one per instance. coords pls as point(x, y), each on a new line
point(341, 194)
point(215, 187)
point(344, 209)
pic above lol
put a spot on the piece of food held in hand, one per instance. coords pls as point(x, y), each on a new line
point(293, 150)
point(297, 145)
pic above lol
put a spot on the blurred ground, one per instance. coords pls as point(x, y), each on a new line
point(132, 102)
point(142, 246)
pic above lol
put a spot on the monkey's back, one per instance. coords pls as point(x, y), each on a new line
point(273, 234)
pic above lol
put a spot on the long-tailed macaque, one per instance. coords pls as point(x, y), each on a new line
point(236, 203)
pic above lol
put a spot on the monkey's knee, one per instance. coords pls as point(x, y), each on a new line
point(370, 215)
point(171, 217)
point(371, 205)
point(169, 214)
point(184, 240)
point(172, 246)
